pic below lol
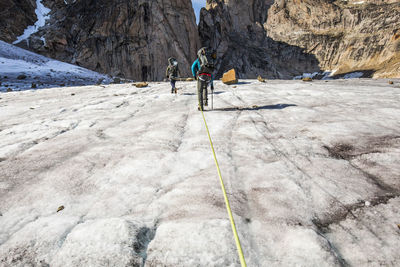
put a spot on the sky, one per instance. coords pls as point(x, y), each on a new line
point(197, 5)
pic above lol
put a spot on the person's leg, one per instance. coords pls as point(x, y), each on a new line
point(200, 93)
point(175, 90)
point(205, 96)
point(172, 82)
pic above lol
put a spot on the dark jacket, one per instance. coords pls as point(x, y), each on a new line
point(195, 68)
point(172, 72)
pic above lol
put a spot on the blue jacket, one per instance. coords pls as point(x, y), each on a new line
point(195, 68)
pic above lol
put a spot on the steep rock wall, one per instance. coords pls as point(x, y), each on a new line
point(128, 38)
point(272, 38)
point(15, 17)
point(344, 35)
point(236, 31)
point(283, 38)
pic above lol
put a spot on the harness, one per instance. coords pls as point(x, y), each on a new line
point(207, 74)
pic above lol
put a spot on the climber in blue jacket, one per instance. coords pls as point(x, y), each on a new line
point(204, 66)
point(196, 67)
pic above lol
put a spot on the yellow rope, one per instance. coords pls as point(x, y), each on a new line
point(228, 207)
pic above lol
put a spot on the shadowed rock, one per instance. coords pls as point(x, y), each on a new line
point(236, 31)
point(281, 39)
point(15, 17)
point(346, 36)
point(129, 39)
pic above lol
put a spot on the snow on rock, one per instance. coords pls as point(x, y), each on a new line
point(306, 75)
point(40, 70)
point(329, 75)
point(42, 14)
point(353, 75)
point(134, 171)
point(69, 2)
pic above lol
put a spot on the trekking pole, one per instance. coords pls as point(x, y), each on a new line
point(212, 99)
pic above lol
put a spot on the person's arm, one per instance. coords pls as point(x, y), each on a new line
point(195, 67)
point(166, 72)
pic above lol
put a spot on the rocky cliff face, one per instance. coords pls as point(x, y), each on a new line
point(329, 35)
point(15, 17)
point(271, 38)
point(236, 31)
point(344, 35)
point(132, 39)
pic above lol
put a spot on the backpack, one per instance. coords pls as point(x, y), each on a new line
point(173, 67)
point(206, 60)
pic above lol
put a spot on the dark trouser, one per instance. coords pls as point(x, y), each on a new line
point(173, 85)
point(201, 92)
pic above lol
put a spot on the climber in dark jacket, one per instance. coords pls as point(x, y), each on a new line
point(172, 73)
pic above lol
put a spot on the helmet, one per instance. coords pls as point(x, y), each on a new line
point(172, 61)
point(202, 51)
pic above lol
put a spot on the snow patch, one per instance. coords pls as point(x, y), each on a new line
point(328, 74)
point(42, 14)
point(43, 40)
point(353, 75)
point(15, 61)
point(72, 2)
point(306, 75)
point(94, 243)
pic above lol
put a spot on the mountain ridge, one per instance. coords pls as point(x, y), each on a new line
point(272, 38)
